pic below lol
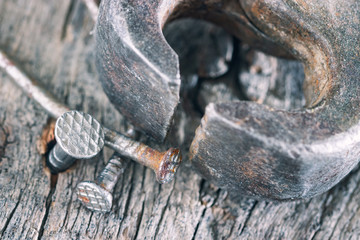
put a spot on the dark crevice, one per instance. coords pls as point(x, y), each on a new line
point(127, 203)
point(236, 62)
point(115, 209)
point(11, 214)
point(106, 220)
point(53, 183)
point(140, 217)
point(67, 19)
point(163, 211)
point(198, 224)
point(143, 178)
point(230, 79)
point(231, 230)
point(77, 215)
point(47, 205)
point(126, 209)
point(90, 218)
point(248, 218)
point(5, 143)
point(202, 186)
point(122, 184)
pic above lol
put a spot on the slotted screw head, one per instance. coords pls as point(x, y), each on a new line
point(94, 197)
point(79, 135)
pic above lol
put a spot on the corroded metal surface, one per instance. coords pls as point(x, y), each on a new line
point(164, 164)
point(284, 155)
point(246, 147)
point(138, 69)
point(80, 136)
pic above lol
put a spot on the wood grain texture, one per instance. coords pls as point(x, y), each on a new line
point(52, 42)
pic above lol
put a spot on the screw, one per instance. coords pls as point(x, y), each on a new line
point(78, 136)
point(97, 196)
point(164, 164)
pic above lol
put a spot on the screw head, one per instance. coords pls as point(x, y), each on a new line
point(79, 135)
point(94, 197)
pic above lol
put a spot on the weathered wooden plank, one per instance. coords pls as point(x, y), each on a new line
point(51, 41)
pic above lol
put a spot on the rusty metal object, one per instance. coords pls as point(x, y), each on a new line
point(284, 155)
point(246, 147)
point(47, 137)
point(138, 67)
point(164, 164)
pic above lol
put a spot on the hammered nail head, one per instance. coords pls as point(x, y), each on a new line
point(79, 134)
point(94, 197)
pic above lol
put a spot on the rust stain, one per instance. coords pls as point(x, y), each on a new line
point(149, 157)
point(84, 199)
point(47, 137)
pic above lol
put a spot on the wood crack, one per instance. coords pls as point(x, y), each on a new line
point(47, 205)
point(67, 19)
point(248, 217)
point(11, 215)
point(60, 54)
point(163, 211)
point(140, 217)
point(198, 224)
point(87, 227)
point(127, 200)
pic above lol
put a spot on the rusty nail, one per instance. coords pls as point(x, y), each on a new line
point(164, 164)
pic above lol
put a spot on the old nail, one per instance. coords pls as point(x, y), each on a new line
point(164, 164)
point(78, 136)
point(97, 196)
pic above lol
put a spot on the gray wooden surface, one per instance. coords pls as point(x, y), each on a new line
point(51, 40)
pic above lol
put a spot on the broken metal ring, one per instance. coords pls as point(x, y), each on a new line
point(265, 153)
